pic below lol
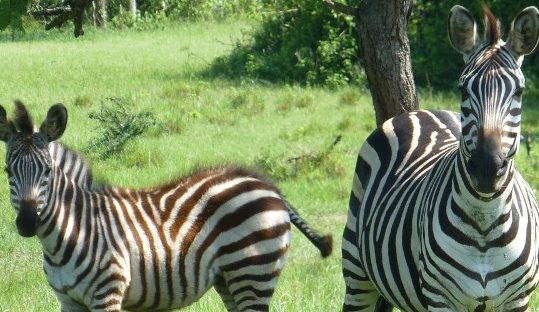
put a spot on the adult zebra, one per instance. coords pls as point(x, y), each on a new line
point(439, 218)
point(155, 249)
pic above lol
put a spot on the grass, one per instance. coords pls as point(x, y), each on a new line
point(199, 122)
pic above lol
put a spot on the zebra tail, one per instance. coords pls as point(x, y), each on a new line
point(323, 243)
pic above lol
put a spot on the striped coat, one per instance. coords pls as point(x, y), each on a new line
point(440, 219)
point(145, 250)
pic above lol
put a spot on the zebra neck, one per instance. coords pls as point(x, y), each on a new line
point(482, 213)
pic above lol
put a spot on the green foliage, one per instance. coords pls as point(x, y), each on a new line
point(11, 12)
point(126, 20)
point(207, 9)
point(118, 125)
point(298, 41)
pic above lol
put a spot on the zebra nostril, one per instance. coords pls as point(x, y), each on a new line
point(471, 165)
point(503, 168)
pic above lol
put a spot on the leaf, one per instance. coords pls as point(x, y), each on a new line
point(11, 12)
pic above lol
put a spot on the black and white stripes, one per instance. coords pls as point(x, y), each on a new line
point(146, 250)
point(439, 218)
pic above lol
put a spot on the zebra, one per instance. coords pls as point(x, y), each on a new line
point(153, 249)
point(439, 218)
point(73, 165)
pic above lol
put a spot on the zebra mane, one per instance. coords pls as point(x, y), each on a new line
point(22, 118)
point(493, 31)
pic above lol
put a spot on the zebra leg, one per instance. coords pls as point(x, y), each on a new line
point(252, 291)
point(251, 280)
point(383, 306)
point(361, 295)
point(69, 305)
point(222, 289)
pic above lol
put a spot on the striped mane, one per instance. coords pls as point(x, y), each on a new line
point(22, 118)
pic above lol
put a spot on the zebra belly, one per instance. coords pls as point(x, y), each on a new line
point(161, 282)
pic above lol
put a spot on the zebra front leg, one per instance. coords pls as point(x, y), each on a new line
point(109, 297)
point(69, 305)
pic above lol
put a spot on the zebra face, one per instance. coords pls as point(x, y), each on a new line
point(29, 164)
point(491, 85)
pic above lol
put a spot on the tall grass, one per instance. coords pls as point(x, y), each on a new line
point(198, 123)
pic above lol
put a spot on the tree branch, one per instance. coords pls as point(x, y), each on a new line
point(341, 8)
point(61, 13)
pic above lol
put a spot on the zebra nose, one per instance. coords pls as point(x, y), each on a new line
point(27, 218)
point(487, 169)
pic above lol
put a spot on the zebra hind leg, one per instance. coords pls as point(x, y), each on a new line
point(222, 289)
point(383, 306)
point(361, 295)
point(250, 292)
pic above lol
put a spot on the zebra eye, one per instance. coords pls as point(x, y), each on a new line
point(464, 94)
point(518, 93)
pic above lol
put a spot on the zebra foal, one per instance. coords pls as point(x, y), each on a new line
point(439, 217)
point(146, 250)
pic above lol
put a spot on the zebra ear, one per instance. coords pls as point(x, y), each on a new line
point(55, 124)
point(524, 32)
point(6, 127)
point(462, 30)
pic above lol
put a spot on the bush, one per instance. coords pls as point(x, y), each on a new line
point(118, 125)
point(298, 41)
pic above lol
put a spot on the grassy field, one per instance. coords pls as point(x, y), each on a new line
point(199, 122)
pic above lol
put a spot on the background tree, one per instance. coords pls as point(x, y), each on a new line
point(11, 12)
point(133, 8)
point(64, 11)
point(385, 53)
point(100, 13)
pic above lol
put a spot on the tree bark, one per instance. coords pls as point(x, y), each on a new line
point(133, 8)
point(100, 13)
point(384, 50)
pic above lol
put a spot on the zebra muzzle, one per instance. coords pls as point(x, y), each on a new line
point(27, 219)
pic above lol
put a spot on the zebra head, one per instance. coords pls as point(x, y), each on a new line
point(491, 86)
point(28, 162)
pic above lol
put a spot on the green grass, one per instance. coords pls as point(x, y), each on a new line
point(200, 122)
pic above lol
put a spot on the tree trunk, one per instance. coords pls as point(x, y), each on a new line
point(100, 13)
point(385, 53)
point(133, 8)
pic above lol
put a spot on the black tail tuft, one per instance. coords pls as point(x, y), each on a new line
point(325, 245)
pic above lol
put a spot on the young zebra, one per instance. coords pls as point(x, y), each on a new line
point(147, 250)
point(71, 164)
point(439, 218)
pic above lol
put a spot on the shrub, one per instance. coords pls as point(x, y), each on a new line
point(299, 41)
point(118, 125)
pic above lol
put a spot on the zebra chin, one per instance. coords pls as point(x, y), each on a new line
point(27, 220)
